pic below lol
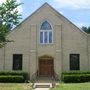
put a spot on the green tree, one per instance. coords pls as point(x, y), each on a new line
point(9, 18)
point(86, 29)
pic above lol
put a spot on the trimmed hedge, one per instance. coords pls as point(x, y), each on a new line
point(18, 73)
point(75, 76)
point(12, 79)
point(75, 72)
point(13, 76)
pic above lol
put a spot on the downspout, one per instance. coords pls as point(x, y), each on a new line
point(61, 52)
point(4, 59)
point(88, 52)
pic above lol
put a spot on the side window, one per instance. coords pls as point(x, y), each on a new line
point(17, 61)
point(74, 62)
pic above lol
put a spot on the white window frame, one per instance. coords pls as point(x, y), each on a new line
point(51, 30)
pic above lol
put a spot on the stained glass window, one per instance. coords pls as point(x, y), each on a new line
point(46, 33)
point(45, 26)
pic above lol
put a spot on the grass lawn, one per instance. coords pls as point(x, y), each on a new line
point(74, 86)
point(15, 86)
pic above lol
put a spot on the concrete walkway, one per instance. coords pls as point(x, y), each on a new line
point(41, 89)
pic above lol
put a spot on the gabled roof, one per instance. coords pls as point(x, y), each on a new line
point(46, 4)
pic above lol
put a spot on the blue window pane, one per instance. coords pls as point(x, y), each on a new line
point(45, 26)
point(45, 37)
point(50, 37)
point(41, 37)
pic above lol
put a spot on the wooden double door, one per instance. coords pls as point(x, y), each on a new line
point(46, 67)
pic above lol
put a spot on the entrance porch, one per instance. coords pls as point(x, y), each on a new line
point(45, 72)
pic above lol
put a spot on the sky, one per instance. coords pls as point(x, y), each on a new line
point(77, 11)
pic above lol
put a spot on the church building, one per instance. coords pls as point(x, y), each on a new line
point(45, 44)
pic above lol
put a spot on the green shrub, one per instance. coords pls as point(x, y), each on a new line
point(12, 79)
point(75, 72)
point(18, 73)
point(75, 76)
point(71, 78)
point(13, 76)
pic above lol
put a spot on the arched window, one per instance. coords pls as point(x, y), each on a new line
point(46, 33)
point(45, 26)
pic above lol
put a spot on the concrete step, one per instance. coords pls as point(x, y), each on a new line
point(42, 85)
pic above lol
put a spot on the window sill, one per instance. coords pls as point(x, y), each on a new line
point(45, 44)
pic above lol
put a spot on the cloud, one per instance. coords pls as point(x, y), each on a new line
point(61, 12)
point(20, 9)
point(1, 1)
point(76, 4)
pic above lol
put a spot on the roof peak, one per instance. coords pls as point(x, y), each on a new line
point(46, 4)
